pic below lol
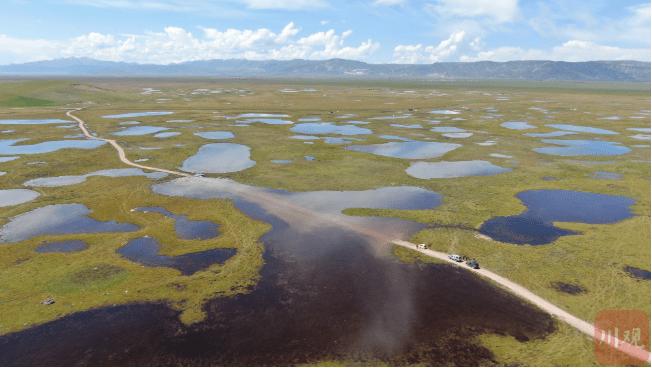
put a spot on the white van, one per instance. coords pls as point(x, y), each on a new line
point(455, 257)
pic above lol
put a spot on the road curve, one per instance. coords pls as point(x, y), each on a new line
point(119, 149)
point(516, 289)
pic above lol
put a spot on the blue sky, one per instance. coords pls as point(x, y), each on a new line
point(405, 31)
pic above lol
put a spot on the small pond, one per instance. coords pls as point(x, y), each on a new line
point(517, 125)
point(329, 128)
point(184, 227)
point(140, 130)
point(217, 134)
point(219, 158)
point(12, 197)
point(454, 169)
point(412, 150)
point(145, 250)
point(137, 114)
point(582, 148)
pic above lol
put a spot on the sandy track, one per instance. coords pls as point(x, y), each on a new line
point(516, 289)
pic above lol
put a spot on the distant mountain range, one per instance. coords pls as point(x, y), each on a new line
point(630, 71)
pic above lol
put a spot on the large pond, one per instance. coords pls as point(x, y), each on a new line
point(184, 227)
point(454, 169)
point(544, 207)
point(9, 147)
point(413, 150)
point(329, 128)
point(145, 250)
point(137, 114)
point(219, 158)
point(329, 290)
point(567, 147)
point(57, 219)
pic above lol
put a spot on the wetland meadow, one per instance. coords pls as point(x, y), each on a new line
point(268, 238)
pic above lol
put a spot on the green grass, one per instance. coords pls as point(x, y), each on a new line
point(98, 276)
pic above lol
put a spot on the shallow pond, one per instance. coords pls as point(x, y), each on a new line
point(323, 271)
point(57, 219)
point(581, 129)
point(145, 250)
point(65, 246)
point(281, 162)
point(166, 134)
point(517, 125)
point(412, 150)
point(447, 129)
point(637, 273)
point(137, 114)
point(329, 128)
point(453, 169)
point(557, 133)
point(445, 112)
point(184, 227)
point(535, 225)
point(218, 134)
point(457, 135)
point(582, 148)
point(12, 197)
point(268, 121)
point(58, 181)
point(607, 175)
point(9, 147)
point(140, 130)
point(407, 126)
point(218, 158)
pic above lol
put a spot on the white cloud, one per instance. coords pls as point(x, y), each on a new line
point(573, 50)
point(286, 4)
point(176, 44)
point(411, 54)
point(497, 10)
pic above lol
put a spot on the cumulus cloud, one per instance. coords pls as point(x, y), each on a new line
point(497, 10)
point(175, 44)
point(572, 50)
point(411, 54)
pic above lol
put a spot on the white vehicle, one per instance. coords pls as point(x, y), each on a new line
point(455, 257)
point(421, 246)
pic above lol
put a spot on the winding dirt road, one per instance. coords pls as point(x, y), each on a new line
point(516, 289)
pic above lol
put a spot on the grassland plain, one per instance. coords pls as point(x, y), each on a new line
point(98, 276)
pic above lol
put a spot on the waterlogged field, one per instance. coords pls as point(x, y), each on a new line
point(278, 253)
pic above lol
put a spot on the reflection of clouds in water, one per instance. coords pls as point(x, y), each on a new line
point(407, 150)
point(57, 219)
